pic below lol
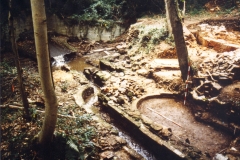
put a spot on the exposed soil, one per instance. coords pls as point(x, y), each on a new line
point(230, 94)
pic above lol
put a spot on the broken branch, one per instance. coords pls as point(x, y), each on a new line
point(211, 76)
point(21, 108)
point(103, 49)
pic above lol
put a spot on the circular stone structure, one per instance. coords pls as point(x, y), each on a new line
point(168, 110)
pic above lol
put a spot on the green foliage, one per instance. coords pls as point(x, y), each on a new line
point(6, 69)
point(15, 139)
point(148, 37)
point(194, 67)
point(100, 9)
point(102, 13)
point(8, 75)
point(93, 11)
point(13, 115)
point(170, 41)
point(4, 32)
point(82, 120)
point(227, 10)
point(71, 149)
point(35, 116)
point(76, 142)
point(64, 86)
point(196, 11)
point(158, 35)
point(237, 103)
point(195, 5)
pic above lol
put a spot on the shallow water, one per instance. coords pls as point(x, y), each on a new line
point(135, 146)
point(78, 64)
point(57, 53)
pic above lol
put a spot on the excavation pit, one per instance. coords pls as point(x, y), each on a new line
point(169, 111)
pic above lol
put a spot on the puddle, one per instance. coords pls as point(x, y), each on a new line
point(78, 64)
point(58, 52)
point(173, 114)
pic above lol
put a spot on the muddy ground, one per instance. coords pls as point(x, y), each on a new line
point(140, 63)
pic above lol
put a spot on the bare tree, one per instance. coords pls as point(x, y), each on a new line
point(41, 43)
point(26, 114)
point(177, 29)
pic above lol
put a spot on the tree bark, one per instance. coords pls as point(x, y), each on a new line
point(169, 27)
point(41, 43)
point(183, 11)
point(26, 114)
point(177, 30)
point(234, 3)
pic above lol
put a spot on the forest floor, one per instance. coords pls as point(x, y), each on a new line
point(148, 70)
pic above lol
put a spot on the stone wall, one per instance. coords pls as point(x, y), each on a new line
point(57, 25)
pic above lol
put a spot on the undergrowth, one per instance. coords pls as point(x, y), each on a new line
point(145, 38)
point(8, 75)
point(77, 138)
point(103, 13)
point(74, 138)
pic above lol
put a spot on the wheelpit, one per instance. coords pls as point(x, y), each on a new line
point(178, 126)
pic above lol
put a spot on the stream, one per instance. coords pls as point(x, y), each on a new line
point(134, 145)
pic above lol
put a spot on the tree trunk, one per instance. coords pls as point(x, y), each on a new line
point(41, 43)
point(26, 114)
point(169, 27)
point(177, 30)
point(183, 10)
point(234, 3)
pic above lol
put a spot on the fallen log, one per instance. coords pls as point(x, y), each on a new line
point(108, 53)
point(102, 49)
point(21, 108)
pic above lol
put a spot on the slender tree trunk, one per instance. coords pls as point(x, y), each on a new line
point(234, 3)
point(17, 63)
point(169, 27)
point(183, 10)
point(41, 43)
point(177, 29)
